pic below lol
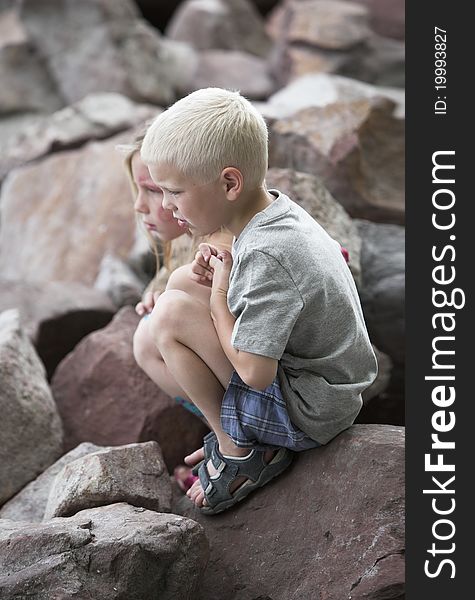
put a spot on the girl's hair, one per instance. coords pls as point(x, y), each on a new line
point(206, 131)
point(165, 251)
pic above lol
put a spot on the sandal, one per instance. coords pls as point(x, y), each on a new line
point(208, 442)
point(216, 487)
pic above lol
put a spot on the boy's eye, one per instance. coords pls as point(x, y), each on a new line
point(173, 193)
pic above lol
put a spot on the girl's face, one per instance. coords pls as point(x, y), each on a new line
point(148, 204)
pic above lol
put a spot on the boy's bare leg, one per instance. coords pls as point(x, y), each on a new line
point(185, 335)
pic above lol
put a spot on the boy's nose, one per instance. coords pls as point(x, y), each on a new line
point(166, 204)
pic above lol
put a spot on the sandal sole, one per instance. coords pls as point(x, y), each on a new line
point(249, 486)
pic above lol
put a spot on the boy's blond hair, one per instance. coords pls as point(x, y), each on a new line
point(206, 131)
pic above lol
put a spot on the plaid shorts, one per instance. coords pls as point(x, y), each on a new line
point(259, 419)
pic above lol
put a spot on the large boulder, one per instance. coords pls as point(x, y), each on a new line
point(104, 46)
point(387, 17)
point(113, 552)
point(26, 82)
point(337, 513)
point(56, 315)
point(320, 89)
point(96, 116)
point(30, 502)
point(355, 147)
point(134, 473)
point(61, 215)
point(220, 24)
point(332, 36)
point(233, 69)
point(383, 286)
point(31, 433)
point(310, 193)
point(105, 398)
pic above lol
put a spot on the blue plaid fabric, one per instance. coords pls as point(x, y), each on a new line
point(259, 419)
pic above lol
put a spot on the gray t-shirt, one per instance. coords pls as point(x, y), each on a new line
point(295, 300)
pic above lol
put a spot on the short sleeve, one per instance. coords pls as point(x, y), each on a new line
point(265, 300)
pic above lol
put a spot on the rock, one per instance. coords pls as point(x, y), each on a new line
point(356, 147)
point(107, 553)
point(61, 215)
point(103, 46)
point(30, 429)
point(220, 24)
point(233, 69)
point(332, 37)
point(105, 398)
point(26, 82)
point(320, 89)
point(383, 286)
point(309, 192)
point(387, 17)
point(96, 116)
point(30, 502)
point(55, 315)
point(337, 513)
point(134, 473)
point(119, 281)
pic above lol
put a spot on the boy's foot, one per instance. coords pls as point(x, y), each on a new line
point(195, 457)
point(196, 493)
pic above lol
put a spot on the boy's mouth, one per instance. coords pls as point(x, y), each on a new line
point(183, 224)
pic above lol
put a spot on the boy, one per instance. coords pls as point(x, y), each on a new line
point(280, 363)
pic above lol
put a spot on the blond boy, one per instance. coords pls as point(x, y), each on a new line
point(279, 361)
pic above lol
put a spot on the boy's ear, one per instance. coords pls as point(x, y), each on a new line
point(233, 182)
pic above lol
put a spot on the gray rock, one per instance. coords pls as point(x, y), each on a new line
point(56, 315)
point(320, 89)
point(96, 116)
point(310, 193)
point(103, 45)
point(220, 24)
point(383, 286)
point(31, 432)
point(26, 82)
point(337, 513)
point(30, 502)
point(233, 69)
point(118, 281)
point(134, 473)
point(113, 552)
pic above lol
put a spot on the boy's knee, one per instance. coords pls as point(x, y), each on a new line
point(168, 315)
point(180, 278)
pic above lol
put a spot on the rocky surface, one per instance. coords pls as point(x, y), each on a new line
point(134, 473)
point(330, 526)
point(105, 398)
point(103, 45)
point(55, 315)
point(96, 116)
point(31, 433)
point(113, 552)
point(30, 502)
point(117, 279)
point(61, 215)
point(309, 192)
point(332, 36)
point(383, 286)
point(233, 69)
point(220, 24)
point(319, 89)
point(355, 147)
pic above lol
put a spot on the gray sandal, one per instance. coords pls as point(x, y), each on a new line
point(258, 473)
point(208, 442)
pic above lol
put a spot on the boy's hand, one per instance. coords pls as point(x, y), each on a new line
point(221, 265)
point(147, 303)
point(201, 270)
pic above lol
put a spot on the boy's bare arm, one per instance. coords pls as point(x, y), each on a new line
point(255, 370)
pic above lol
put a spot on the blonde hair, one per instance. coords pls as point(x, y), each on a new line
point(206, 131)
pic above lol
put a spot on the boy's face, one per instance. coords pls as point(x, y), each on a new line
point(200, 207)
